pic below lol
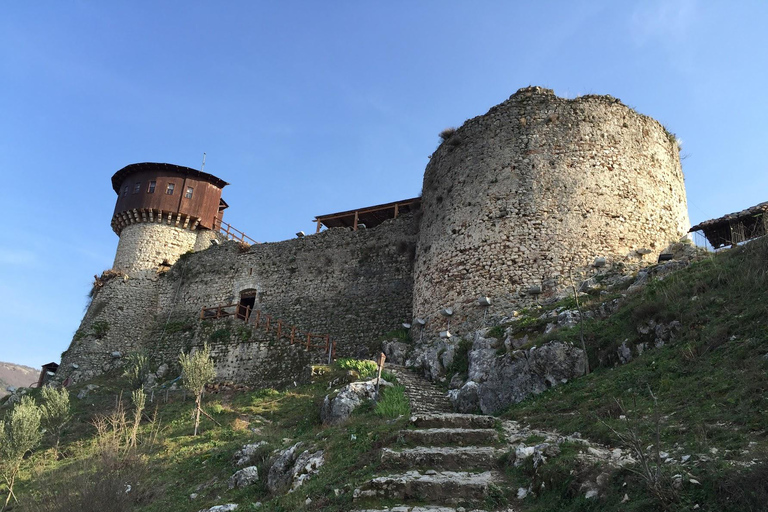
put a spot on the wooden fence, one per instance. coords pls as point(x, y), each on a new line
point(282, 329)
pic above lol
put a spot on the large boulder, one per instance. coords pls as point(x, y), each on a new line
point(292, 467)
point(396, 351)
point(336, 410)
point(497, 381)
point(247, 453)
point(244, 477)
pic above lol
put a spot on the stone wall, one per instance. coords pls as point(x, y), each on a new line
point(536, 189)
point(145, 245)
point(354, 285)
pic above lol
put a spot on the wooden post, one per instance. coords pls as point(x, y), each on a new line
point(309, 340)
point(319, 225)
point(397, 210)
point(327, 343)
point(293, 333)
point(355, 228)
point(279, 328)
point(218, 311)
point(247, 313)
point(202, 313)
point(269, 317)
point(381, 360)
point(258, 318)
point(334, 350)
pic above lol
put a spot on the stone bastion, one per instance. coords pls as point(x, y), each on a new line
point(518, 200)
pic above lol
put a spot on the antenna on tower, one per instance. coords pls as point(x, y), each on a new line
point(203, 166)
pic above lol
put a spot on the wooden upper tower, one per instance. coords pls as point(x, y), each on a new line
point(167, 193)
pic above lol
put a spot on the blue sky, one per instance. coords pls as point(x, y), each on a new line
point(314, 107)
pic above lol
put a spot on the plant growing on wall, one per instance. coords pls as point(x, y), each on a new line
point(197, 370)
point(100, 328)
point(19, 433)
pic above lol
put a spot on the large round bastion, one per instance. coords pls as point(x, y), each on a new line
point(520, 199)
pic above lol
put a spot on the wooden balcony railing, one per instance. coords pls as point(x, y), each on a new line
point(232, 233)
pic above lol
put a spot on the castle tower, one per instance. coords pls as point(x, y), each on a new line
point(521, 198)
point(162, 212)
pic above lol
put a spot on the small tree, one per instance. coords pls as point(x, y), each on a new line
point(139, 400)
point(137, 369)
point(55, 413)
point(197, 371)
point(19, 433)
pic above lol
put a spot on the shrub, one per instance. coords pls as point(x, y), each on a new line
point(137, 369)
point(19, 433)
point(100, 328)
point(460, 363)
point(55, 412)
point(447, 133)
point(365, 368)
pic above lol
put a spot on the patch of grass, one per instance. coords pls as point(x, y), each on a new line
point(460, 363)
point(364, 368)
point(219, 335)
point(393, 403)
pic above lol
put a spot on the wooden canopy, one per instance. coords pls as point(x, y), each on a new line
point(370, 216)
point(736, 227)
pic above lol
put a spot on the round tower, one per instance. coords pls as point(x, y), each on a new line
point(518, 200)
point(162, 212)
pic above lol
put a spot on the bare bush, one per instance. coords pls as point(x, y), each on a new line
point(447, 134)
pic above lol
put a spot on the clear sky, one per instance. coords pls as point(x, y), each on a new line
point(314, 107)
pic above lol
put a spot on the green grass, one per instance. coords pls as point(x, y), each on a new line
point(393, 403)
point(711, 381)
point(364, 368)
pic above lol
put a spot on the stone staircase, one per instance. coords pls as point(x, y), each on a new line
point(448, 462)
point(425, 398)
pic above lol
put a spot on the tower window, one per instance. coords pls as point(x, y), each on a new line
point(188, 195)
point(151, 188)
point(170, 188)
point(136, 187)
point(125, 191)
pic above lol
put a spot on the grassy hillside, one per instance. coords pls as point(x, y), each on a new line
point(694, 408)
point(709, 385)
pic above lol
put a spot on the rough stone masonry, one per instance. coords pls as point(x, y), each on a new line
point(515, 202)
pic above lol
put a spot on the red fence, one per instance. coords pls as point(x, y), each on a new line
point(281, 328)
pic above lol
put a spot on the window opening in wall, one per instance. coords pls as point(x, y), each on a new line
point(188, 195)
point(247, 303)
point(170, 188)
point(136, 187)
point(125, 191)
point(151, 187)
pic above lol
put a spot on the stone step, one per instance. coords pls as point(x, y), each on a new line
point(451, 436)
point(443, 457)
point(419, 508)
point(453, 420)
point(438, 487)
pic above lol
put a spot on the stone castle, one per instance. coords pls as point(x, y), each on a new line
point(514, 204)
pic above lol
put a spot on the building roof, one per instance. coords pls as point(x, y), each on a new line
point(758, 209)
point(371, 216)
point(120, 175)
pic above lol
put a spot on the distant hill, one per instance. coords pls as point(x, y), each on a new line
point(16, 375)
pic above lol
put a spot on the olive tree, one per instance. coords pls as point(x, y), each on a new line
point(197, 371)
point(55, 413)
point(19, 433)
